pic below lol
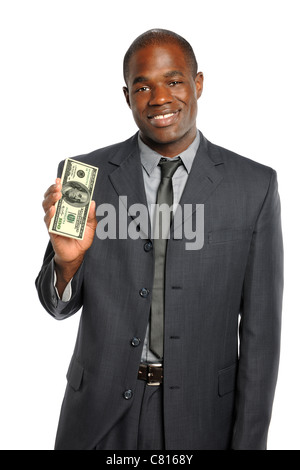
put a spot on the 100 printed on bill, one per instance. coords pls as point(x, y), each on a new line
point(78, 181)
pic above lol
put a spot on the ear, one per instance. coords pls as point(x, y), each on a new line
point(126, 94)
point(199, 84)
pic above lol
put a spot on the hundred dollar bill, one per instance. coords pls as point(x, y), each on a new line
point(78, 182)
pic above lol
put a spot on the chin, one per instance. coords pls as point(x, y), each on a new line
point(165, 136)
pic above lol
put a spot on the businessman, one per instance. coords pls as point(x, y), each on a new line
point(177, 348)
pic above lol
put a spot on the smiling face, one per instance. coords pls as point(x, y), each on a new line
point(162, 94)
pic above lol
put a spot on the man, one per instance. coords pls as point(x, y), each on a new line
point(157, 362)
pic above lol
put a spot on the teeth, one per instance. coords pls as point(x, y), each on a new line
point(164, 116)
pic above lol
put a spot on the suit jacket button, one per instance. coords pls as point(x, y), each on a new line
point(128, 394)
point(148, 246)
point(144, 292)
point(135, 341)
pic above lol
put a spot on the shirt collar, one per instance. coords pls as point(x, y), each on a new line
point(150, 159)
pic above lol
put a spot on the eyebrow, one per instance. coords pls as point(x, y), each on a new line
point(140, 80)
point(172, 73)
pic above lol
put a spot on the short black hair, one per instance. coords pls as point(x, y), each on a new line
point(157, 37)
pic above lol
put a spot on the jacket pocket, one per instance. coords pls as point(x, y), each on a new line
point(227, 380)
point(229, 235)
point(75, 374)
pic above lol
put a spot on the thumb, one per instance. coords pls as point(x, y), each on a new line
point(92, 211)
point(92, 221)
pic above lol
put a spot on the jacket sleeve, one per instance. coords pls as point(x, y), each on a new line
point(47, 293)
point(45, 284)
point(260, 327)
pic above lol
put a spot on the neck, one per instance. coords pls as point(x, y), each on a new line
point(171, 149)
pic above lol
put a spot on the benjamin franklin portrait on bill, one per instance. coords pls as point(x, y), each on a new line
point(76, 194)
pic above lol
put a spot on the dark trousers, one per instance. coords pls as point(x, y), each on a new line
point(141, 428)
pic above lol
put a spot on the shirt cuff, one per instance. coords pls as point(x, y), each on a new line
point(67, 293)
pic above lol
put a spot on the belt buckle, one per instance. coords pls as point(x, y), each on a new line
point(150, 374)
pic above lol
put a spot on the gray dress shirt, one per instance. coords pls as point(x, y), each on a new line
point(151, 174)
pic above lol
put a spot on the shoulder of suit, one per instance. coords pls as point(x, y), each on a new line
point(238, 163)
point(102, 155)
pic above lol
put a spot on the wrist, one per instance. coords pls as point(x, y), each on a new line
point(66, 269)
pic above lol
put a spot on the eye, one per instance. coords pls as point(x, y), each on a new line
point(143, 88)
point(174, 83)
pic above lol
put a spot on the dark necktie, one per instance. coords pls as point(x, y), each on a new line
point(164, 196)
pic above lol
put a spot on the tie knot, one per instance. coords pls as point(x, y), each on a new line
point(168, 167)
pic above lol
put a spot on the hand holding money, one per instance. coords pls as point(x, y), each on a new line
point(69, 252)
point(78, 182)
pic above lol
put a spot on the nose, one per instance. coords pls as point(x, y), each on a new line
point(160, 95)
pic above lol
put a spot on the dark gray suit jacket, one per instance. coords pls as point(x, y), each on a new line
point(218, 391)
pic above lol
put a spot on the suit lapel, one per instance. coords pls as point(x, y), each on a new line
point(203, 179)
point(127, 180)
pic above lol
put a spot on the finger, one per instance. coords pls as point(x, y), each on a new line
point(49, 215)
point(51, 200)
point(92, 221)
point(53, 188)
point(92, 211)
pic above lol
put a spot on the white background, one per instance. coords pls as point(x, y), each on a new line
point(61, 95)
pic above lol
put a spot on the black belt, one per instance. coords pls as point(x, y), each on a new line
point(151, 373)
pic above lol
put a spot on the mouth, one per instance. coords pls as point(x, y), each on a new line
point(164, 119)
